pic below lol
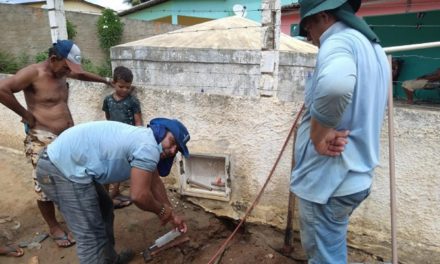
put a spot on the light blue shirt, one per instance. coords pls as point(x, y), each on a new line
point(104, 151)
point(348, 90)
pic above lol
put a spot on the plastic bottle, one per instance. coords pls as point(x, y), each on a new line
point(165, 238)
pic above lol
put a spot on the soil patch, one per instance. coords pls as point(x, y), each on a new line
point(20, 220)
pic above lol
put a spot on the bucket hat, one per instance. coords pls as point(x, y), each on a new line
point(309, 8)
point(344, 10)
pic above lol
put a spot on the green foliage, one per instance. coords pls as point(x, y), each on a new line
point(110, 29)
point(8, 63)
point(71, 30)
point(134, 2)
point(104, 70)
point(11, 64)
point(23, 60)
point(41, 56)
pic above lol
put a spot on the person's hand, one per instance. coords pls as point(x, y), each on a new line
point(176, 220)
point(179, 223)
point(29, 119)
point(333, 144)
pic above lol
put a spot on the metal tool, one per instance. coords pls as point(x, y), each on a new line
point(148, 254)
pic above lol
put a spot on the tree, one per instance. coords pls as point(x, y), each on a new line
point(135, 2)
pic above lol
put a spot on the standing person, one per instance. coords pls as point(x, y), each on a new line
point(47, 115)
point(123, 107)
point(338, 140)
point(74, 167)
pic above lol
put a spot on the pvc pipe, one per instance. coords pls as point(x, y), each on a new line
point(412, 47)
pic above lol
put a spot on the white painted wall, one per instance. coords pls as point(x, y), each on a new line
point(252, 130)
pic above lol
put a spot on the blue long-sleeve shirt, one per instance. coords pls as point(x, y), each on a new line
point(347, 91)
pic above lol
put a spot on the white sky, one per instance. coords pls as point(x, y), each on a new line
point(116, 5)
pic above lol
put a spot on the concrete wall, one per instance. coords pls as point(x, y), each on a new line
point(25, 30)
point(252, 131)
point(214, 71)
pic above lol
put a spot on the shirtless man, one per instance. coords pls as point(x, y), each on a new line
point(47, 114)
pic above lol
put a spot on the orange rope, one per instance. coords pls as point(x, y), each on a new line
point(222, 248)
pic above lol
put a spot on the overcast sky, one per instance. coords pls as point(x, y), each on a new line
point(117, 5)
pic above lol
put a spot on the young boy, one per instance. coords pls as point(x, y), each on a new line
point(123, 107)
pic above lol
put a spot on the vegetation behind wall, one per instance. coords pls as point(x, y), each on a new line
point(25, 33)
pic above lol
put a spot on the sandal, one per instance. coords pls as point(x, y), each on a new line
point(60, 239)
point(121, 201)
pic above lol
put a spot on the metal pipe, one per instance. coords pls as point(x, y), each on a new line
point(392, 170)
point(413, 47)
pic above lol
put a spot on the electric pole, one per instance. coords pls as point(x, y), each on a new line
point(270, 24)
point(57, 19)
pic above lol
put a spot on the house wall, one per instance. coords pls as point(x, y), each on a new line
point(252, 130)
point(416, 62)
point(371, 8)
point(25, 30)
point(76, 6)
point(201, 9)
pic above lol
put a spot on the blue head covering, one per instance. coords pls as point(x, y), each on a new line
point(160, 126)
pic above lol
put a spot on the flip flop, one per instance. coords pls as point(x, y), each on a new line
point(122, 198)
point(36, 239)
point(11, 250)
point(121, 201)
point(64, 237)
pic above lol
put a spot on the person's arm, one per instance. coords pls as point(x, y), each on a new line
point(89, 77)
point(20, 81)
point(333, 92)
point(105, 108)
point(149, 194)
point(138, 119)
point(137, 112)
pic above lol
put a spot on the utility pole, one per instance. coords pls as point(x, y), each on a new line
point(57, 19)
point(270, 24)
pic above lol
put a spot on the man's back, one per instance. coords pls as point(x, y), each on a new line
point(104, 151)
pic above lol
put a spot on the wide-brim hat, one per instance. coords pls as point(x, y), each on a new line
point(308, 8)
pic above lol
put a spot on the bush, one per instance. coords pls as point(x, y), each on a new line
point(110, 29)
point(11, 64)
point(71, 30)
point(41, 56)
point(104, 70)
point(8, 63)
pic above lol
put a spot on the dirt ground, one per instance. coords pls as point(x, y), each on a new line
point(20, 220)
